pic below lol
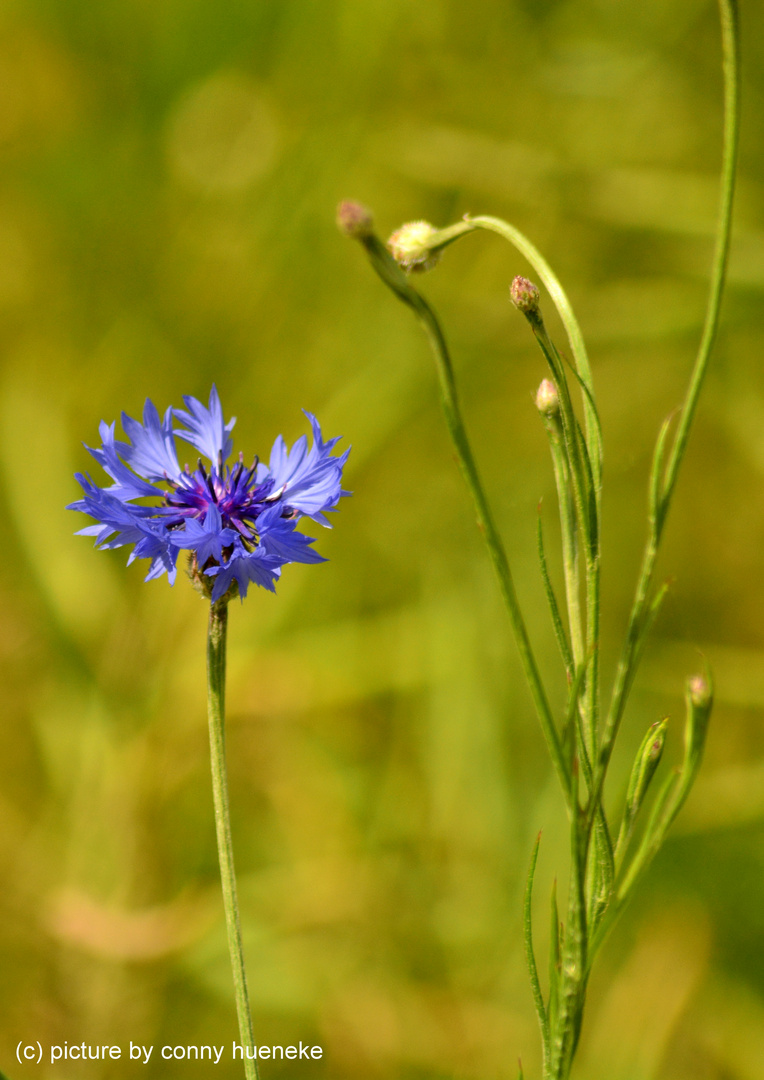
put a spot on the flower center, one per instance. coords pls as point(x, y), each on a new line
point(235, 492)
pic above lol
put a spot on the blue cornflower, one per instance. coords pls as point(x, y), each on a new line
point(237, 522)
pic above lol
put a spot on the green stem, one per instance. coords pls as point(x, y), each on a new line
point(731, 64)
point(574, 966)
point(394, 278)
point(627, 665)
point(569, 541)
point(593, 449)
point(564, 308)
point(216, 662)
point(586, 501)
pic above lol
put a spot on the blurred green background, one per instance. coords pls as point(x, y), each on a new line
point(169, 174)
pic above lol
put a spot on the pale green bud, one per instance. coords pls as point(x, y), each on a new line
point(699, 691)
point(410, 246)
point(700, 698)
point(547, 399)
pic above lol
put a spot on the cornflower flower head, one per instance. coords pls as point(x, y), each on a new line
point(238, 522)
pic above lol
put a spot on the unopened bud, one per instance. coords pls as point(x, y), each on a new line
point(410, 246)
point(355, 220)
point(547, 398)
point(700, 699)
point(699, 691)
point(525, 295)
point(646, 762)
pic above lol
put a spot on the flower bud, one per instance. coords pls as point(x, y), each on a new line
point(410, 246)
point(525, 295)
point(355, 220)
point(642, 771)
point(646, 762)
point(700, 699)
point(547, 399)
point(699, 691)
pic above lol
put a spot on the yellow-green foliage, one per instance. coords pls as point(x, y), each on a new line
point(168, 178)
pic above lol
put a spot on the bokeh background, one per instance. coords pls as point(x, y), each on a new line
point(168, 178)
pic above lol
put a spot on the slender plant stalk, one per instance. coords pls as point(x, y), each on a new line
point(560, 299)
point(394, 278)
point(569, 544)
point(216, 664)
point(530, 957)
point(598, 888)
point(574, 965)
point(665, 483)
point(590, 522)
point(586, 501)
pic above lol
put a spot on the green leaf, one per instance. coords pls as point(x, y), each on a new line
point(657, 475)
point(538, 997)
point(559, 629)
point(555, 933)
point(573, 725)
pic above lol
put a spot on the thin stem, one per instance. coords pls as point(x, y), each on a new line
point(590, 517)
point(538, 997)
point(572, 992)
point(586, 502)
point(394, 278)
point(564, 308)
point(569, 539)
point(216, 663)
point(488, 527)
point(627, 665)
point(731, 63)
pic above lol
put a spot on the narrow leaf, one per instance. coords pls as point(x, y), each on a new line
point(559, 629)
point(554, 960)
point(573, 723)
point(538, 997)
point(657, 474)
point(593, 534)
point(590, 398)
point(593, 438)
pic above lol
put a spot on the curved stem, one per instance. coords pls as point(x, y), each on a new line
point(564, 308)
point(591, 528)
point(216, 663)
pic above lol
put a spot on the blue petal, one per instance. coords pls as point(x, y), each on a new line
point(245, 567)
point(121, 524)
point(205, 428)
point(206, 540)
point(279, 537)
point(163, 557)
point(308, 481)
point(151, 450)
point(127, 485)
point(114, 515)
